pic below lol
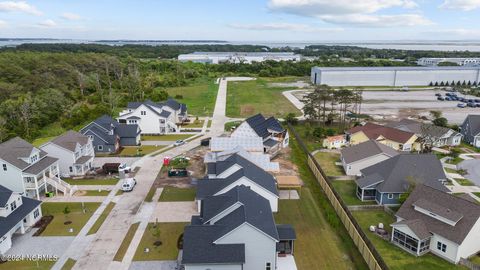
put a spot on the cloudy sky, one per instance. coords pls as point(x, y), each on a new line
point(242, 20)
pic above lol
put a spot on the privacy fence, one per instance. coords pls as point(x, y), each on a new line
point(366, 248)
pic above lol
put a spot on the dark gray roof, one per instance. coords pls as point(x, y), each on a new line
point(421, 129)
point(127, 131)
point(93, 129)
point(14, 149)
point(397, 173)
point(133, 117)
point(165, 113)
point(439, 210)
point(5, 194)
point(7, 223)
point(457, 233)
point(417, 226)
point(83, 159)
point(365, 150)
point(70, 139)
point(473, 122)
point(106, 121)
point(286, 232)
point(370, 180)
point(172, 103)
point(270, 143)
point(40, 165)
point(261, 125)
point(183, 109)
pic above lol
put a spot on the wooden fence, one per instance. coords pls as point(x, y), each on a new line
point(365, 247)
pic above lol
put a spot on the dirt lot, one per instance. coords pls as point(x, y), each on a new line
point(287, 167)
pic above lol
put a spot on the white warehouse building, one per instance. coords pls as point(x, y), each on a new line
point(430, 61)
point(238, 57)
point(394, 76)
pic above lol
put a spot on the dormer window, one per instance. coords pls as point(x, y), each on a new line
point(33, 159)
point(90, 137)
point(13, 205)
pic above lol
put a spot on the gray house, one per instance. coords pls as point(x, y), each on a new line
point(363, 155)
point(108, 135)
point(471, 129)
point(386, 181)
point(431, 134)
point(236, 230)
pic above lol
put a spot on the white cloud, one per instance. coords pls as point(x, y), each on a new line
point(362, 13)
point(71, 16)
point(3, 24)
point(457, 32)
point(47, 23)
point(465, 5)
point(19, 6)
point(283, 26)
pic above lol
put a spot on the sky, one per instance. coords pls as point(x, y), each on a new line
point(242, 20)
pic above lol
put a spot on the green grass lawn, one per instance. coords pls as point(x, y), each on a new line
point(327, 163)
point(251, 97)
point(98, 223)
point(448, 170)
point(322, 242)
point(347, 190)
point(395, 257)
point(76, 216)
point(26, 265)
point(475, 259)
point(168, 137)
point(200, 96)
point(174, 194)
point(464, 182)
point(132, 151)
point(126, 242)
point(168, 234)
point(93, 193)
point(40, 141)
point(305, 131)
point(194, 124)
point(106, 182)
point(230, 125)
point(476, 194)
point(69, 264)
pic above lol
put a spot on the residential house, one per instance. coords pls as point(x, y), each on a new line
point(28, 170)
point(223, 176)
point(74, 152)
point(260, 159)
point(108, 135)
point(236, 230)
point(153, 117)
point(386, 181)
point(430, 134)
point(17, 215)
point(397, 139)
point(273, 135)
point(443, 224)
point(250, 144)
point(363, 155)
point(335, 142)
point(470, 129)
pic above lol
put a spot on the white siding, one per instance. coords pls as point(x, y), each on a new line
point(259, 248)
point(11, 178)
point(355, 167)
point(244, 130)
point(214, 267)
point(229, 171)
point(451, 252)
point(470, 245)
point(65, 158)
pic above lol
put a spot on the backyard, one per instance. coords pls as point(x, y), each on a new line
point(76, 215)
point(347, 190)
point(133, 151)
point(161, 239)
point(395, 257)
point(251, 97)
point(27, 265)
point(106, 182)
point(174, 194)
point(327, 162)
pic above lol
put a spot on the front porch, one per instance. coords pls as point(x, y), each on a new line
point(82, 166)
point(36, 180)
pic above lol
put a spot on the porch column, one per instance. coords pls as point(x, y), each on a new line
point(362, 194)
point(418, 248)
point(22, 228)
point(292, 246)
point(38, 193)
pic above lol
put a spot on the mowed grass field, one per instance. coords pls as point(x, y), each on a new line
point(247, 98)
point(76, 216)
point(200, 96)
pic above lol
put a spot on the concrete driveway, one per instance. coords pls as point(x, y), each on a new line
point(174, 212)
point(27, 244)
point(473, 168)
point(154, 265)
point(99, 161)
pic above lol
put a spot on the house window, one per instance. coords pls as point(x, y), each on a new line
point(13, 205)
point(268, 266)
point(36, 213)
point(143, 112)
point(390, 196)
point(90, 137)
point(4, 167)
point(100, 147)
point(441, 246)
point(70, 169)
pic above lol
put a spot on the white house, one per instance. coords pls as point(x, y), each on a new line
point(74, 151)
point(260, 159)
point(17, 215)
point(273, 135)
point(437, 222)
point(29, 170)
point(363, 155)
point(236, 230)
point(154, 118)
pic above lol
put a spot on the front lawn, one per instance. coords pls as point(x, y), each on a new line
point(194, 124)
point(92, 193)
point(464, 182)
point(93, 182)
point(247, 98)
point(174, 194)
point(98, 223)
point(327, 163)
point(77, 216)
point(168, 137)
point(448, 170)
point(69, 264)
point(395, 257)
point(347, 190)
point(27, 265)
point(137, 151)
point(161, 239)
point(477, 194)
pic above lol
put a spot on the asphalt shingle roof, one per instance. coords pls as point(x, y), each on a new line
point(70, 139)
point(262, 125)
point(421, 129)
point(5, 194)
point(286, 232)
point(473, 121)
point(127, 131)
point(365, 150)
point(10, 221)
point(14, 149)
point(469, 210)
point(417, 226)
point(374, 131)
point(41, 165)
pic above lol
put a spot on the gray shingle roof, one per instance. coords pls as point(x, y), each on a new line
point(14, 149)
point(70, 139)
point(365, 150)
point(83, 159)
point(165, 114)
point(261, 125)
point(398, 171)
point(7, 223)
point(469, 210)
point(286, 232)
point(5, 194)
point(421, 129)
point(41, 165)
point(473, 121)
point(102, 133)
point(127, 131)
point(417, 226)
point(438, 210)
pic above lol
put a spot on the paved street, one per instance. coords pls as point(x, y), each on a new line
point(473, 170)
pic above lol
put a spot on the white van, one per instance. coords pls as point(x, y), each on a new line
point(128, 184)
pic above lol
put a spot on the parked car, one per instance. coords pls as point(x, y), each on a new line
point(448, 99)
point(178, 143)
point(440, 98)
point(461, 105)
point(477, 100)
point(128, 184)
point(470, 101)
point(471, 105)
point(438, 95)
point(124, 168)
point(461, 99)
point(178, 172)
point(110, 167)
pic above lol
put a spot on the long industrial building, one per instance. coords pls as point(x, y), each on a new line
point(238, 57)
point(394, 76)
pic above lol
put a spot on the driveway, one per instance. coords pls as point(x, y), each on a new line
point(99, 161)
point(154, 265)
point(174, 212)
point(473, 168)
point(27, 244)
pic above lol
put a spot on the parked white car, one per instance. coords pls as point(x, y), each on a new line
point(178, 143)
point(124, 168)
point(128, 184)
